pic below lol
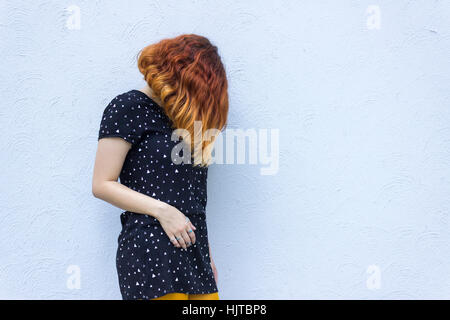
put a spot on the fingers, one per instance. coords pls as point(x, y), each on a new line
point(181, 241)
point(174, 241)
point(191, 233)
point(186, 239)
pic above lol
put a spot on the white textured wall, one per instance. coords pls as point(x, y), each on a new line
point(364, 119)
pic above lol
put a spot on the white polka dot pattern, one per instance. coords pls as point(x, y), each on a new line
point(148, 264)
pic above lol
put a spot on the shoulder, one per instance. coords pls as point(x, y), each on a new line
point(125, 100)
point(125, 116)
point(133, 111)
point(128, 104)
point(136, 98)
point(131, 96)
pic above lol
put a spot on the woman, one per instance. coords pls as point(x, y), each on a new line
point(163, 250)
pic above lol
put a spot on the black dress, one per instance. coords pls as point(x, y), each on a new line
point(148, 264)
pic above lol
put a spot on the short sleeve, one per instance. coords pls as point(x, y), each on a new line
point(124, 118)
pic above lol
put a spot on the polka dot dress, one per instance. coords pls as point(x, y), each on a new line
point(148, 264)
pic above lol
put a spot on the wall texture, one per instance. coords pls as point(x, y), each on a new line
point(360, 94)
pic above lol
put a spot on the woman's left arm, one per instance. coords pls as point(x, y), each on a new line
point(213, 266)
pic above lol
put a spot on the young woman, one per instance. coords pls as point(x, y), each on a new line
point(150, 139)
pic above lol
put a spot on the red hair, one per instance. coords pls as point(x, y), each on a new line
point(187, 75)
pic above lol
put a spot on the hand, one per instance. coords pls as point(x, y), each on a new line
point(213, 265)
point(176, 226)
point(214, 269)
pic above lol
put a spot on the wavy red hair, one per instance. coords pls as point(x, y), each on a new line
point(187, 75)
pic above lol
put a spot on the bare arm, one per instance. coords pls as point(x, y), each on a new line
point(213, 265)
point(111, 153)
